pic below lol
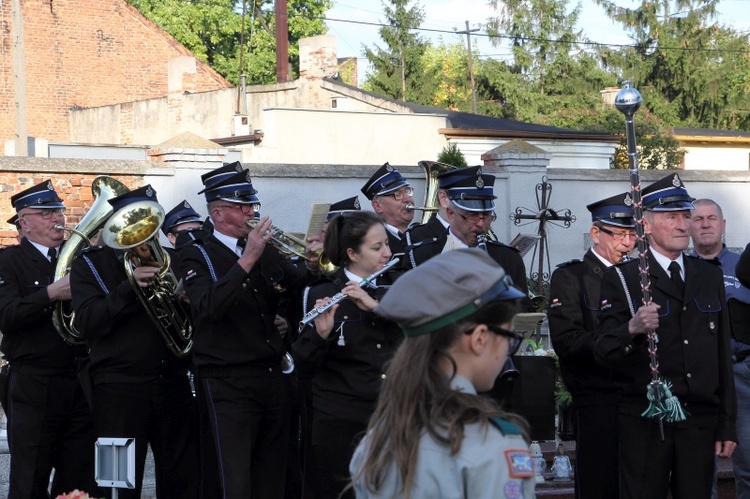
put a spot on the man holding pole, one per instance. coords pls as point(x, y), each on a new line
point(670, 434)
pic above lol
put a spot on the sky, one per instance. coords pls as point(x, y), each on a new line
point(451, 15)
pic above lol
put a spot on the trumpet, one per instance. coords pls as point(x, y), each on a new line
point(289, 245)
point(338, 297)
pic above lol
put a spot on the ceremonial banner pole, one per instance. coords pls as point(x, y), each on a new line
point(662, 404)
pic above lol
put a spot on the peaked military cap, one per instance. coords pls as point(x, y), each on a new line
point(446, 289)
point(237, 188)
point(215, 177)
point(616, 210)
point(145, 193)
point(14, 221)
point(343, 206)
point(386, 179)
point(41, 196)
point(180, 214)
point(667, 194)
point(471, 189)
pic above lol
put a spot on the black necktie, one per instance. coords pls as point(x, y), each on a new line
point(241, 242)
point(52, 254)
point(674, 272)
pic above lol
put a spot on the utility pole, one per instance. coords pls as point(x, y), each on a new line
point(19, 80)
point(282, 42)
point(468, 33)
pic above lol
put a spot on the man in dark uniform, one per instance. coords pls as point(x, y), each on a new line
point(391, 196)
point(438, 223)
point(471, 213)
point(234, 293)
point(141, 388)
point(573, 310)
point(180, 218)
point(694, 357)
point(17, 224)
point(49, 421)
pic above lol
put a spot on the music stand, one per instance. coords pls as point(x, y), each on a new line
point(114, 463)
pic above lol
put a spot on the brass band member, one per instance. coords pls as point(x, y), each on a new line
point(141, 389)
point(49, 421)
point(573, 311)
point(390, 195)
point(348, 346)
point(234, 292)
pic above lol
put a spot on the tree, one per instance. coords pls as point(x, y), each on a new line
point(212, 30)
point(452, 155)
point(397, 67)
point(691, 71)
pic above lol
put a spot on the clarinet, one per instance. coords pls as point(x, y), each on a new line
point(340, 296)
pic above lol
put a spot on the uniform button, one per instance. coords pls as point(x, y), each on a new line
point(382, 376)
point(244, 286)
point(262, 315)
point(378, 345)
point(684, 308)
point(270, 369)
point(36, 283)
point(686, 342)
point(689, 375)
point(346, 317)
point(255, 290)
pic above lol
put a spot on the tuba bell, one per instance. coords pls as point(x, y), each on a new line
point(135, 228)
point(103, 188)
point(431, 202)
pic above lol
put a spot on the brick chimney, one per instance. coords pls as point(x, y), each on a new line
point(317, 57)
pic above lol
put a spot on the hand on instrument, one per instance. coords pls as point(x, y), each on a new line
point(256, 243)
point(312, 251)
point(645, 319)
point(324, 321)
point(144, 275)
point(60, 289)
point(359, 296)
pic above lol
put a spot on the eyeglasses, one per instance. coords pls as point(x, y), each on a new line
point(245, 208)
point(400, 193)
point(47, 214)
point(618, 236)
point(514, 338)
point(474, 218)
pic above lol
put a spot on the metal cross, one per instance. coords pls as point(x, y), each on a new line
point(543, 214)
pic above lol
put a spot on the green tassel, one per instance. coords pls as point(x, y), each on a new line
point(663, 404)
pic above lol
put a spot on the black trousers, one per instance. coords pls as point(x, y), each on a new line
point(160, 414)
point(209, 464)
point(682, 463)
point(597, 469)
point(49, 426)
point(334, 442)
point(249, 418)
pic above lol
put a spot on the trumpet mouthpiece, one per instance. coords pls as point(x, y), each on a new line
point(59, 227)
point(410, 207)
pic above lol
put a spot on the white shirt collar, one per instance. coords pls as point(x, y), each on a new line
point(393, 230)
point(664, 262)
point(228, 241)
point(354, 277)
point(606, 262)
point(44, 250)
point(440, 219)
point(457, 243)
point(461, 384)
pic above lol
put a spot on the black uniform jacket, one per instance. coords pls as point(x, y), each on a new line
point(30, 341)
point(693, 347)
point(572, 315)
point(395, 244)
point(233, 310)
point(347, 378)
point(434, 228)
point(506, 256)
point(124, 343)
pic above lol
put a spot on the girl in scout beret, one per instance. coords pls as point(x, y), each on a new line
point(431, 435)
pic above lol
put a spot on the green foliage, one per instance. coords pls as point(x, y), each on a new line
point(212, 29)
point(397, 67)
point(452, 155)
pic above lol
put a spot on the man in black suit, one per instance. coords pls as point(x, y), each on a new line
point(694, 357)
point(573, 311)
point(234, 281)
point(471, 212)
point(49, 421)
point(391, 196)
point(439, 222)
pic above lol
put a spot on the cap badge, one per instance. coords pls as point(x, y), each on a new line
point(49, 186)
point(149, 192)
point(388, 168)
point(356, 203)
point(238, 167)
point(247, 176)
point(628, 200)
point(676, 181)
point(187, 206)
point(480, 182)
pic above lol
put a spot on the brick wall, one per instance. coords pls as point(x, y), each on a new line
point(84, 54)
point(72, 180)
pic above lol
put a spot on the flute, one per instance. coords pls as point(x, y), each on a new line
point(312, 314)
